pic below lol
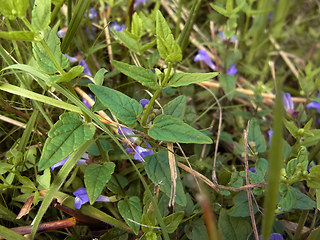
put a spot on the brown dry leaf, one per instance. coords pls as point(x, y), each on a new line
point(173, 171)
point(26, 207)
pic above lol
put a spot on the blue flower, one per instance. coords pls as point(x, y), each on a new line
point(62, 32)
point(116, 26)
point(82, 161)
point(86, 69)
point(233, 38)
point(270, 133)
point(85, 102)
point(314, 104)
point(232, 70)
point(253, 170)
point(203, 56)
point(127, 131)
point(82, 198)
point(141, 152)
point(144, 102)
point(71, 59)
point(288, 104)
point(92, 13)
point(138, 2)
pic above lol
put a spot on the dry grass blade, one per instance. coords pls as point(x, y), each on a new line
point(173, 173)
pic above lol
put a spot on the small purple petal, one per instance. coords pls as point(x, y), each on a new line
point(232, 70)
point(71, 59)
point(86, 69)
point(138, 2)
point(129, 150)
point(203, 56)
point(222, 36)
point(233, 39)
point(127, 131)
point(253, 170)
point(142, 152)
point(82, 161)
point(287, 102)
point(85, 102)
point(270, 133)
point(102, 199)
point(61, 33)
point(116, 26)
point(276, 236)
point(61, 163)
point(144, 102)
point(314, 104)
point(92, 13)
point(82, 198)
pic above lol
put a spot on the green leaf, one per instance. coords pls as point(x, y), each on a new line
point(67, 135)
point(318, 198)
point(168, 49)
point(144, 76)
point(14, 8)
point(136, 26)
point(126, 109)
point(158, 170)
point(198, 230)
point(171, 129)
point(315, 234)
point(256, 137)
point(292, 128)
point(288, 199)
point(41, 56)
point(72, 74)
point(99, 77)
point(233, 228)
point(41, 15)
point(130, 209)
point(19, 35)
point(241, 206)
point(176, 107)
point(172, 221)
point(220, 10)
point(184, 79)
point(304, 202)
point(7, 233)
point(127, 39)
point(228, 84)
point(44, 180)
point(117, 183)
point(313, 178)
point(96, 177)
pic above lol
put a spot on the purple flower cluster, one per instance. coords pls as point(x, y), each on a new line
point(116, 26)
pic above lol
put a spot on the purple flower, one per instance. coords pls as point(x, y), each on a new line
point(270, 133)
point(253, 170)
point(85, 102)
point(82, 161)
point(203, 56)
point(314, 104)
point(274, 236)
point(138, 2)
point(62, 32)
point(82, 198)
point(127, 131)
point(232, 70)
point(233, 38)
point(71, 59)
point(116, 26)
point(288, 104)
point(92, 13)
point(144, 102)
point(86, 69)
point(141, 152)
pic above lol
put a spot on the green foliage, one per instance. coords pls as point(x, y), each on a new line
point(228, 84)
point(14, 8)
point(19, 35)
point(41, 15)
point(184, 79)
point(66, 136)
point(171, 129)
point(130, 209)
point(176, 107)
point(95, 178)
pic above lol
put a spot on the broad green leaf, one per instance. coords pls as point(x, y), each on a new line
point(41, 15)
point(130, 209)
point(184, 79)
point(19, 35)
point(233, 228)
point(288, 199)
point(136, 26)
point(241, 206)
point(67, 135)
point(292, 128)
point(168, 49)
point(117, 183)
point(220, 10)
point(228, 84)
point(313, 178)
point(14, 8)
point(198, 230)
point(255, 137)
point(99, 77)
point(144, 76)
point(304, 202)
point(105, 145)
point(126, 109)
point(315, 234)
point(72, 74)
point(41, 56)
point(171, 129)
point(96, 177)
point(44, 180)
point(128, 40)
point(176, 107)
point(172, 221)
point(158, 170)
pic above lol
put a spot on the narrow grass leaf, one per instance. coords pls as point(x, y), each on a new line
point(171, 129)
point(7, 233)
point(185, 79)
point(126, 109)
point(67, 135)
point(144, 76)
point(130, 209)
point(19, 35)
point(96, 177)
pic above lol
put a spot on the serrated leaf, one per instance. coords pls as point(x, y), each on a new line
point(168, 49)
point(99, 77)
point(176, 107)
point(128, 40)
point(184, 79)
point(130, 209)
point(14, 8)
point(172, 221)
point(41, 15)
point(158, 170)
point(126, 109)
point(144, 76)
point(96, 177)
point(41, 56)
point(67, 135)
point(70, 75)
point(228, 84)
point(171, 129)
point(19, 35)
